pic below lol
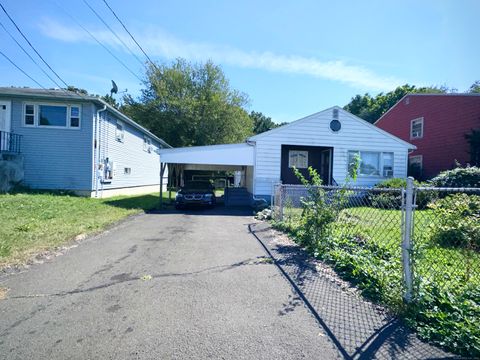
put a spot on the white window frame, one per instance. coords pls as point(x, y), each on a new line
point(298, 152)
point(147, 144)
point(381, 169)
point(417, 157)
point(120, 134)
point(36, 115)
point(412, 136)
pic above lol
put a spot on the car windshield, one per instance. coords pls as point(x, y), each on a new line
point(198, 185)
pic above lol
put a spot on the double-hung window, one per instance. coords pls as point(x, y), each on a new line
point(298, 159)
point(372, 163)
point(52, 115)
point(416, 128)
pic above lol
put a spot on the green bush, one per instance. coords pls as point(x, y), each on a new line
point(393, 200)
point(458, 221)
point(459, 177)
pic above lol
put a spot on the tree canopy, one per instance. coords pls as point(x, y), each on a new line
point(262, 123)
point(371, 108)
point(190, 104)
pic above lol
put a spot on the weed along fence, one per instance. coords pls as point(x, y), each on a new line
point(414, 249)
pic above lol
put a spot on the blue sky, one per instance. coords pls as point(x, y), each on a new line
point(292, 58)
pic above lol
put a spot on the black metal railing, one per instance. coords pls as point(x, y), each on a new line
point(10, 142)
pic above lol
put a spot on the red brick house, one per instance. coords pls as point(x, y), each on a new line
point(436, 124)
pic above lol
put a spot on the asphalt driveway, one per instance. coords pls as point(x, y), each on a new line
point(196, 285)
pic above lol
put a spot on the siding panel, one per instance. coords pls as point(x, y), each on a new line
point(315, 131)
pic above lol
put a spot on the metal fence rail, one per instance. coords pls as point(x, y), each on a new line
point(420, 245)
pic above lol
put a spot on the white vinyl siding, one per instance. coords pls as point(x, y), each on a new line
point(314, 131)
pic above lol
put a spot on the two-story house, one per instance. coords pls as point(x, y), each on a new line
point(63, 140)
point(437, 124)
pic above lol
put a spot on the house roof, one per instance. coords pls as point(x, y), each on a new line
point(240, 154)
point(65, 95)
point(427, 94)
point(297, 122)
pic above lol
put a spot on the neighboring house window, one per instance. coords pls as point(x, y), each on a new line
point(147, 144)
point(416, 161)
point(119, 132)
point(46, 115)
point(52, 115)
point(298, 159)
point(30, 115)
point(416, 128)
point(373, 163)
point(74, 116)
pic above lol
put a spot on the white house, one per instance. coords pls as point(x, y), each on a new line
point(326, 140)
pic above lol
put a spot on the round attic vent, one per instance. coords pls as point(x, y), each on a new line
point(335, 125)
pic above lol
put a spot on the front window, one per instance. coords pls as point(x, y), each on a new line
point(369, 163)
point(416, 128)
point(373, 163)
point(47, 115)
point(387, 164)
point(298, 159)
point(52, 115)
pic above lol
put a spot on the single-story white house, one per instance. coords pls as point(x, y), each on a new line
point(326, 140)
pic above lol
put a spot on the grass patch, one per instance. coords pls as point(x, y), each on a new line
point(31, 222)
point(364, 246)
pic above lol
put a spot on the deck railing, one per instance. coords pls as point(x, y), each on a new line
point(10, 142)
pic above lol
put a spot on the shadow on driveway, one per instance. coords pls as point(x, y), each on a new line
point(359, 329)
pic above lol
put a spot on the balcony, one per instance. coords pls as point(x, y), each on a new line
point(10, 142)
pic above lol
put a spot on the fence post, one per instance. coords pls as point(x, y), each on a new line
point(280, 203)
point(407, 241)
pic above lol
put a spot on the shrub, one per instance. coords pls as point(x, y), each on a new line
point(459, 177)
point(393, 200)
point(458, 221)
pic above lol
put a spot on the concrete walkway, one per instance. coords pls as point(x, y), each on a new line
point(161, 286)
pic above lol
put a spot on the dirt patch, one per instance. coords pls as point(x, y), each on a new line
point(3, 293)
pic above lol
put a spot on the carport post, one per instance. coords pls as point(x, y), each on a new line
point(162, 171)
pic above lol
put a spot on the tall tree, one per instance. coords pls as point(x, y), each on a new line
point(372, 108)
point(190, 104)
point(475, 88)
point(262, 123)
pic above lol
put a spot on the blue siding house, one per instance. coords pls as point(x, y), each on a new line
point(74, 142)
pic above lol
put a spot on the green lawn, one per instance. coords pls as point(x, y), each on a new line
point(37, 221)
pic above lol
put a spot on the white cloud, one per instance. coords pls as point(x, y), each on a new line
point(159, 43)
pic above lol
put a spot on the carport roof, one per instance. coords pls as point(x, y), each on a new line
point(228, 154)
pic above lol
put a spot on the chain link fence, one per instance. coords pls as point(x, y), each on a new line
point(414, 247)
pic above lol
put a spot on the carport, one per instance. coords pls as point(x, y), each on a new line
point(237, 158)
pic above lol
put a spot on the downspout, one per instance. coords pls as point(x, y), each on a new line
point(97, 148)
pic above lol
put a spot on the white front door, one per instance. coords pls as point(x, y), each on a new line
point(5, 118)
